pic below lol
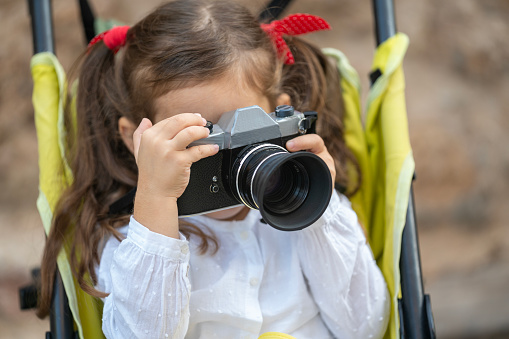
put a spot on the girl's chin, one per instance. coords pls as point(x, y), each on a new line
point(234, 213)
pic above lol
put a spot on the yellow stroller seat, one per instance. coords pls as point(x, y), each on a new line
point(382, 149)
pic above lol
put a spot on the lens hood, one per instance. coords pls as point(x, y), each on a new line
point(301, 199)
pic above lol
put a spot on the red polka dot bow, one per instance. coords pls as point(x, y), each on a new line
point(295, 24)
point(113, 38)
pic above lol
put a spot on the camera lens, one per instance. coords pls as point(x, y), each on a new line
point(291, 190)
point(287, 188)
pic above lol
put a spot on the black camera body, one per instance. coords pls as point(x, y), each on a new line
point(253, 167)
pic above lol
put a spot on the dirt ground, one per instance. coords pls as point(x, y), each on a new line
point(457, 73)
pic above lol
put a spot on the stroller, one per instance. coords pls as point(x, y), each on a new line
point(384, 203)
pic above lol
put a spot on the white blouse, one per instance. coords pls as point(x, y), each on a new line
point(320, 282)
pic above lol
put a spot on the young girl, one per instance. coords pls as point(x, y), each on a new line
point(144, 95)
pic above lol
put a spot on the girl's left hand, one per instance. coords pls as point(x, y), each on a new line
point(313, 143)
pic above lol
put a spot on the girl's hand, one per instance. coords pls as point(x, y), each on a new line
point(161, 152)
point(314, 144)
point(164, 165)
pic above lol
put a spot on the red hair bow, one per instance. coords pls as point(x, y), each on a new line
point(113, 38)
point(294, 24)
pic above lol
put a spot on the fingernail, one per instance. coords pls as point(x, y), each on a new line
point(290, 144)
point(216, 147)
point(204, 121)
point(198, 114)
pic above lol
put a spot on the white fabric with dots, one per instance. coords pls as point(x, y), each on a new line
point(320, 282)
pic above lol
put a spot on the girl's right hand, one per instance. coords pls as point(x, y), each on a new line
point(164, 165)
point(161, 152)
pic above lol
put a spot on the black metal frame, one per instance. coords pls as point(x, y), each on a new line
point(87, 19)
point(416, 319)
point(416, 316)
point(42, 25)
point(61, 320)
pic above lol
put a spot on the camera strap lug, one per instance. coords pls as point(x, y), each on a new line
point(308, 122)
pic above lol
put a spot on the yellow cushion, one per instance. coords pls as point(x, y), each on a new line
point(385, 158)
point(54, 176)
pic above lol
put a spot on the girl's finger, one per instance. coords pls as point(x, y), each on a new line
point(202, 151)
point(144, 125)
point(170, 127)
point(309, 142)
point(188, 135)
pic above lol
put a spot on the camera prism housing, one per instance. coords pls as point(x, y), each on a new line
point(252, 167)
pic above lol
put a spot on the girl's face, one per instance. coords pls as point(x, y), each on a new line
point(211, 100)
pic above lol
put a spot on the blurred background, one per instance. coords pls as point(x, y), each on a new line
point(457, 76)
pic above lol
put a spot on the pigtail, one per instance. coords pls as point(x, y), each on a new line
point(103, 171)
point(313, 83)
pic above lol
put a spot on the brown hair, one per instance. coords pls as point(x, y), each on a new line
point(178, 45)
point(313, 83)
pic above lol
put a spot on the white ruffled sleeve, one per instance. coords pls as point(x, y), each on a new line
point(343, 277)
point(146, 276)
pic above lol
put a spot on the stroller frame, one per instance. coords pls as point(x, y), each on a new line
point(416, 318)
